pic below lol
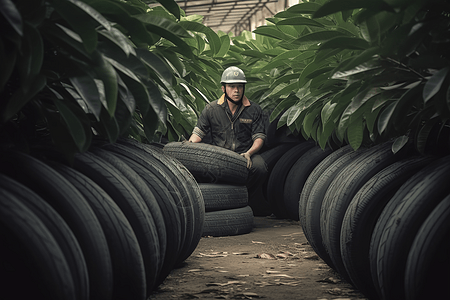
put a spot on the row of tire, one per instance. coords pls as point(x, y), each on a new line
point(382, 220)
point(221, 175)
point(112, 225)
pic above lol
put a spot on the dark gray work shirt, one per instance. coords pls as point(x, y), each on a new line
point(234, 132)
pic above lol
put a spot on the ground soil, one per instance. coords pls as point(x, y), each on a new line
point(274, 261)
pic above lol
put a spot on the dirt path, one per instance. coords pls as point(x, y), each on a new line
point(274, 261)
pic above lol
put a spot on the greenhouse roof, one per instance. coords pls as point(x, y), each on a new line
point(225, 15)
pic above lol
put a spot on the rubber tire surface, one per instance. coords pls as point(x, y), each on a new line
point(126, 256)
point(132, 205)
point(208, 163)
point(223, 196)
point(312, 179)
point(362, 214)
point(297, 177)
point(34, 256)
point(277, 178)
point(73, 208)
point(312, 225)
point(192, 196)
point(427, 273)
point(416, 199)
point(228, 222)
point(174, 215)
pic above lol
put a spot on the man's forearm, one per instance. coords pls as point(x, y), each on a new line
point(257, 145)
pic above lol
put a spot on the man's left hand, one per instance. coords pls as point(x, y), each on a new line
point(248, 158)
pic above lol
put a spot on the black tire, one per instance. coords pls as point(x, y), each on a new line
point(340, 193)
point(362, 214)
point(126, 257)
point(147, 196)
point(208, 163)
point(297, 177)
point(427, 273)
point(191, 195)
point(312, 179)
point(424, 192)
point(223, 196)
point(277, 178)
point(73, 208)
point(132, 205)
point(228, 222)
point(155, 180)
point(31, 256)
point(314, 203)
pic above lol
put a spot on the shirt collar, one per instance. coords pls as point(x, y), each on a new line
point(245, 101)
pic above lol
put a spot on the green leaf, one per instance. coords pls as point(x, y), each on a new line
point(72, 14)
point(371, 118)
point(282, 106)
point(74, 124)
point(318, 37)
point(117, 37)
point(310, 119)
point(272, 32)
point(433, 85)
point(304, 8)
point(171, 6)
point(345, 42)
point(167, 29)
point(300, 21)
point(89, 92)
point(385, 117)
point(12, 15)
point(109, 80)
point(213, 38)
point(156, 64)
point(224, 46)
point(399, 143)
point(355, 134)
point(335, 6)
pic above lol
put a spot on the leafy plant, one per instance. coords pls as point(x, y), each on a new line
point(357, 72)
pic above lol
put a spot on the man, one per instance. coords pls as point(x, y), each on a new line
point(237, 124)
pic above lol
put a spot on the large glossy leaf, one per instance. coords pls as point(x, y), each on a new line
point(171, 6)
point(433, 85)
point(282, 106)
point(89, 92)
point(399, 143)
point(304, 8)
point(271, 31)
point(318, 37)
point(355, 133)
point(213, 38)
point(385, 117)
point(345, 42)
point(72, 14)
point(73, 118)
point(12, 16)
point(156, 64)
point(343, 5)
point(108, 76)
point(224, 46)
point(300, 21)
point(167, 29)
point(310, 118)
point(117, 37)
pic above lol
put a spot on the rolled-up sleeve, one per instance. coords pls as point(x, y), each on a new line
point(258, 127)
point(203, 125)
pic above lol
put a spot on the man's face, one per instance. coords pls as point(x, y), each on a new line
point(234, 90)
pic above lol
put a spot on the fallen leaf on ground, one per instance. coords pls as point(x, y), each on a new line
point(215, 254)
point(277, 275)
point(329, 280)
point(272, 272)
point(265, 256)
point(227, 283)
point(195, 270)
point(255, 242)
point(241, 253)
point(312, 257)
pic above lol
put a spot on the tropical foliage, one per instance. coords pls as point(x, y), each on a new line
point(339, 71)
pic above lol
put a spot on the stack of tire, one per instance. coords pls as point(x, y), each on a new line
point(381, 220)
point(111, 225)
point(221, 175)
